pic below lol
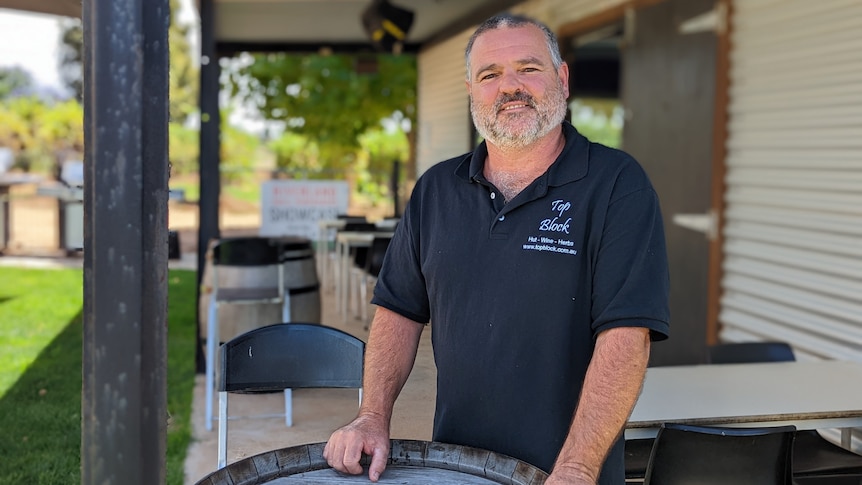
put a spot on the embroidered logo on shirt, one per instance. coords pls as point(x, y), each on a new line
point(558, 224)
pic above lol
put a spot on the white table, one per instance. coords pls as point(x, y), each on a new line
point(326, 229)
point(809, 395)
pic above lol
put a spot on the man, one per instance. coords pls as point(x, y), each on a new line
point(540, 261)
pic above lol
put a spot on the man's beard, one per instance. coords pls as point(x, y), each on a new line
point(521, 130)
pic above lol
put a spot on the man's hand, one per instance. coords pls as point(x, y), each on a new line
point(369, 434)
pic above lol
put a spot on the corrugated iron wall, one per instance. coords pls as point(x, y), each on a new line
point(793, 220)
point(444, 112)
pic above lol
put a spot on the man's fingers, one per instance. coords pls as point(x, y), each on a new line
point(343, 457)
point(378, 463)
point(352, 455)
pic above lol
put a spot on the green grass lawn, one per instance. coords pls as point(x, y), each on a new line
point(40, 374)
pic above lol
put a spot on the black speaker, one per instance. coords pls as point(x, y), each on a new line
point(387, 25)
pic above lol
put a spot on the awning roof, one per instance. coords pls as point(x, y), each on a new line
point(311, 24)
point(66, 8)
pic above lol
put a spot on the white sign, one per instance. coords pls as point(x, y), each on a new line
point(294, 207)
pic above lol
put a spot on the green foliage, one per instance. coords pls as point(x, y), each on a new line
point(238, 151)
point(41, 133)
point(598, 119)
point(44, 133)
point(183, 71)
point(15, 130)
point(332, 99)
point(297, 153)
point(333, 108)
point(380, 150)
point(71, 53)
point(40, 374)
point(14, 80)
point(184, 143)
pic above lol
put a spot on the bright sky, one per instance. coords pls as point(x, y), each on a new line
point(31, 40)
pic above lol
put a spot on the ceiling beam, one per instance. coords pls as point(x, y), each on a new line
point(66, 8)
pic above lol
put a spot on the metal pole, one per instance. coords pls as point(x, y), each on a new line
point(210, 181)
point(124, 397)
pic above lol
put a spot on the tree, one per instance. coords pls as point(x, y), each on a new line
point(183, 71)
point(14, 81)
point(71, 56)
point(331, 99)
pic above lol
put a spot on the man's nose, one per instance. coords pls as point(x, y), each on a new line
point(510, 83)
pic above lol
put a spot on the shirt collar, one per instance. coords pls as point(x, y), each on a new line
point(571, 164)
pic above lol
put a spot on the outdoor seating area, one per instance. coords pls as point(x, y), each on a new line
point(257, 422)
point(745, 390)
point(350, 252)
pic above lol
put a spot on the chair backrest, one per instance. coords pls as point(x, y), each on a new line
point(290, 356)
point(360, 227)
point(246, 251)
point(350, 218)
point(748, 352)
point(286, 356)
point(705, 455)
point(376, 253)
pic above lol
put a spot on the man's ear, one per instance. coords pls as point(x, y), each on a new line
point(563, 72)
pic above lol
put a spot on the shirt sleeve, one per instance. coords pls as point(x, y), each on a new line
point(630, 274)
point(401, 285)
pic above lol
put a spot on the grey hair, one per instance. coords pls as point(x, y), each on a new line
point(507, 20)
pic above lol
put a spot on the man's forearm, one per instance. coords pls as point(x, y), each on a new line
point(389, 357)
point(611, 388)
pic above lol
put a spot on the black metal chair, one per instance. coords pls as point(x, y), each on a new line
point(637, 453)
point(750, 352)
point(815, 459)
point(286, 356)
point(706, 455)
point(243, 253)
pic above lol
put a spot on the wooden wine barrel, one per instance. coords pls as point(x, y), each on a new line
point(410, 462)
point(300, 282)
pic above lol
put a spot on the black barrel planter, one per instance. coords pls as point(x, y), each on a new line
point(301, 286)
point(300, 279)
point(410, 462)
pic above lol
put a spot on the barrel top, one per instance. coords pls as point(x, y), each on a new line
point(392, 474)
point(410, 462)
point(288, 243)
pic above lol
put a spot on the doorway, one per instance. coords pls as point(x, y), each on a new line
point(657, 82)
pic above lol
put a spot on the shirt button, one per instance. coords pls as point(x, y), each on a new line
point(493, 195)
point(502, 218)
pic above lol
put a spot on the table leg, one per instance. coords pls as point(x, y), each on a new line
point(323, 256)
point(337, 275)
point(344, 278)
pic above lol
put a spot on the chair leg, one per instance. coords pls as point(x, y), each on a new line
point(363, 297)
point(212, 339)
point(222, 429)
point(285, 307)
point(288, 407)
point(352, 290)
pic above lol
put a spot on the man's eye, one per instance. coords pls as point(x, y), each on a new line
point(485, 77)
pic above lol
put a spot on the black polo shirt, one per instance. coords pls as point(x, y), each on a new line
point(517, 292)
